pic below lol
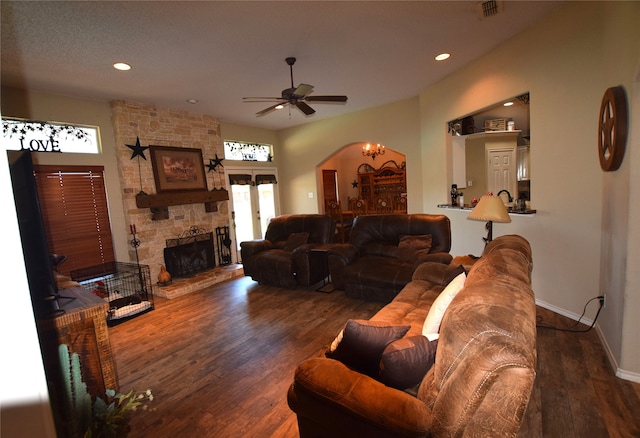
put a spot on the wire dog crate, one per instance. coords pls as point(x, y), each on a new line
point(126, 286)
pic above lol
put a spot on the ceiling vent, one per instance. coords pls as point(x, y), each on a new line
point(489, 8)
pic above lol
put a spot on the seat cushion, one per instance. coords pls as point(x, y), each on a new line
point(379, 271)
point(276, 268)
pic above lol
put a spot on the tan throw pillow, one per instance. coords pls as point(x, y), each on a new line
point(295, 240)
point(361, 343)
point(413, 248)
point(431, 325)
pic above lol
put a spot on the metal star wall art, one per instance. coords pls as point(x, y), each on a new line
point(354, 184)
point(138, 151)
point(214, 163)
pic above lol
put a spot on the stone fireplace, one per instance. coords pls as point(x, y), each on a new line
point(157, 126)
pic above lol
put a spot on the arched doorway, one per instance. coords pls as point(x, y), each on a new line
point(348, 174)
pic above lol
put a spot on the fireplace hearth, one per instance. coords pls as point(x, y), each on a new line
point(190, 253)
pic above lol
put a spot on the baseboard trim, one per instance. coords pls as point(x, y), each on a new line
point(623, 374)
point(563, 312)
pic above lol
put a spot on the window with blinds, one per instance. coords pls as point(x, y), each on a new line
point(75, 213)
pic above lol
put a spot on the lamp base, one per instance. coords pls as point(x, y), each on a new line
point(489, 228)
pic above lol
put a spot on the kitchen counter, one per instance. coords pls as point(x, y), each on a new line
point(468, 207)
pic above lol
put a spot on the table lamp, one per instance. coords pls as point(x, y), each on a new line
point(491, 209)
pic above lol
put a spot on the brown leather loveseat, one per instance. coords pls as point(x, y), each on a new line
point(485, 360)
point(283, 258)
point(384, 250)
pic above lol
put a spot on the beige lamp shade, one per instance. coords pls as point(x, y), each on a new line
point(490, 208)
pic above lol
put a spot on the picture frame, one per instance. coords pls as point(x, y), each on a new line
point(177, 169)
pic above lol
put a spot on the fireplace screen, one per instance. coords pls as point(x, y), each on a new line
point(190, 253)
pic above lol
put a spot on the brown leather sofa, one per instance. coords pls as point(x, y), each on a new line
point(283, 258)
point(484, 370)
point(373, 266)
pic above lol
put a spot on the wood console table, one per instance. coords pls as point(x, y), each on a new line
point(83, 327)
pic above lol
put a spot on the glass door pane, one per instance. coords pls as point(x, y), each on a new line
point(267, 206)
point(241, 195)
point(253, 206)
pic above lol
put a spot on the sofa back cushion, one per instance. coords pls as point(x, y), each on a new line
point(485, 365)
point(319, 226)
point(379, 234)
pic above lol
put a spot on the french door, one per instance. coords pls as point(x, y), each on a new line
point(254, 201)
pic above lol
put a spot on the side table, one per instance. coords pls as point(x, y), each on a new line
point(323, 251)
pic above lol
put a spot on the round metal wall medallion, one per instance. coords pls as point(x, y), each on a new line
point(612, 128)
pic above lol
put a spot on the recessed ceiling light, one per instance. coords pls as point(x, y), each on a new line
point(192, 101)
point(508, 103)
point(443, 56)
point(279, 106)
point(122, 66)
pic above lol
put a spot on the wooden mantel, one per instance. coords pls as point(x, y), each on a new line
point(159, 203)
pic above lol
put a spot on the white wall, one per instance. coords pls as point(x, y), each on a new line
point(24, 398)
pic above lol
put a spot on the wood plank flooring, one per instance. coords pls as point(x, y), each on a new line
point(220, 361)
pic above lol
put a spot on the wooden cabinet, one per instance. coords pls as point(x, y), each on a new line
point(385, 190)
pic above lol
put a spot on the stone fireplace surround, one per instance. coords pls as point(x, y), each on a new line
point(166, 127)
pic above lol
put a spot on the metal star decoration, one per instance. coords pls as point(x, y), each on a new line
point(354, 184)
point(138, 151)
point(214, 163)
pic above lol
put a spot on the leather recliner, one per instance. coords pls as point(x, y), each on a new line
point(282, 259)
point(370, 265)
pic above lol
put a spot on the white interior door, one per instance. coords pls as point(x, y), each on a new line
point(501, 170)
point(252, 205)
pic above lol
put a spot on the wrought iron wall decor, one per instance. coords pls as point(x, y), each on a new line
point(224, 245)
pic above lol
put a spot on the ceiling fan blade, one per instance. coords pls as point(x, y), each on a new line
point(268, 110)
point(326, 98)
point(261, 99)
point(306, 109)
point(303, 90)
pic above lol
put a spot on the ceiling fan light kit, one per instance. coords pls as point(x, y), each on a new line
point(295, 96)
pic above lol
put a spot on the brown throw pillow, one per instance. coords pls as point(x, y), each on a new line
point(412, 248)
point(295, 240)
point(405, 362)
point(362, 344)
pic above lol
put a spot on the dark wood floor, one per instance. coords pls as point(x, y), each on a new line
point(219, 363)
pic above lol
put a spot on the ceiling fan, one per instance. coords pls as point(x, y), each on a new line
point(295, 96)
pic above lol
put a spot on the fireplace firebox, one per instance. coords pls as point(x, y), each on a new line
point(190, 253)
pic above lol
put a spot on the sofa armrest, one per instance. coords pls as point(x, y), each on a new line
point(252, 247)
point(436, 273)
point(326, 392)
point(339, 256)
point(437, 257)
point(345, 252)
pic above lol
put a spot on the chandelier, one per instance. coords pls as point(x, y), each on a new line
point(372, 151)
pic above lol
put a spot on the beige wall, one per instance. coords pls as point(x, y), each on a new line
point(586, 233)
point(579, 236)
point(584, 218)
point(303, 148)
point(53, 108)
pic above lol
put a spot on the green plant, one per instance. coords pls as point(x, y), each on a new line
point(111, 415)
point(106, 417)
point(76, 398)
